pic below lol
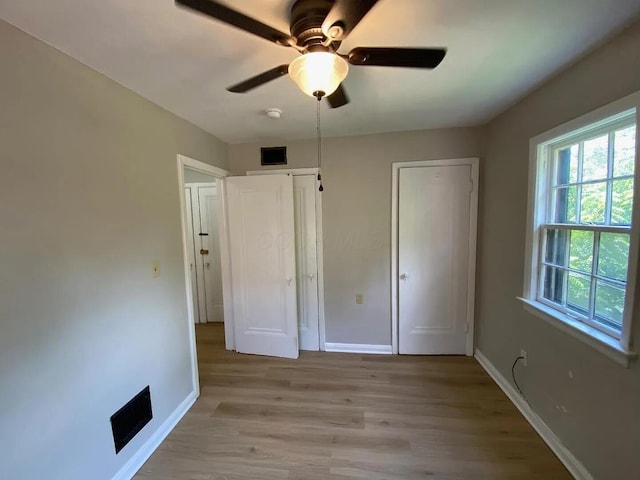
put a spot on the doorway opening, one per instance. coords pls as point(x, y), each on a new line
point(201, 197)
point(205, 256)
point(229, 224)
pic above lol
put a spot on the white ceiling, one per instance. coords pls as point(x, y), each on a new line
point(497, 51)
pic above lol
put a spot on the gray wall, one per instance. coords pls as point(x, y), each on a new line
point(88, 199)
point(602, 426)
point(356, 204)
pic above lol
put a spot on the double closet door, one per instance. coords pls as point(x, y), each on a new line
point(204, 251)
point(272, 234)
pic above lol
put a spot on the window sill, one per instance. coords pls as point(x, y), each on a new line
point(600, 341)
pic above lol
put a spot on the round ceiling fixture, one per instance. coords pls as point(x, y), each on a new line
point(273, 113)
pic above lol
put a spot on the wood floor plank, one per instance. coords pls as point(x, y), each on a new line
point(336, 417)
point(331, 416)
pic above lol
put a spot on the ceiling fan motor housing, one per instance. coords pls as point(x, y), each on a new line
point(306, 20)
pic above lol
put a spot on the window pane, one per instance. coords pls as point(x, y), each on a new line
point(581, 251)
point(624, 151)
point(592, 203)
point(621, 201)
point(578, 293)
point(567, 165)
point(613, 257)
point(609, 305)
point(556, 247)
point(594, 164)
point(553, 285)
point(565, 206)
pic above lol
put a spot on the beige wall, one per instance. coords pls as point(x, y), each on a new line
point(356, 204)
point(192, 176)
point(602, 426)
point(88, 199)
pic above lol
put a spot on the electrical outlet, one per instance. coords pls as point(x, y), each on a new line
point(525, 359)
point(155, 268)
point(359, 300)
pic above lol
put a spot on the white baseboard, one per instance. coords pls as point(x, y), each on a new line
point(135, 463)
point(358, 348)
point(575, 467)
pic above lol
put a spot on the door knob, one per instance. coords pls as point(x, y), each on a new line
point(404, 276)
point(311, 275)
point(289, 281)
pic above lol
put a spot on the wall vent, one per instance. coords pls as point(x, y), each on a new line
point(130, 419)
point(273, 156)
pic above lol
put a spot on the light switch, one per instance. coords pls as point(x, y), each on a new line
point(155, 268)
point(359, 300)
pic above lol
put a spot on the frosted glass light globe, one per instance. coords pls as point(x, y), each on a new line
point(318, 72)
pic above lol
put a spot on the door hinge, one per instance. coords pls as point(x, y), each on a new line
point(470, 186)
point(466, 327)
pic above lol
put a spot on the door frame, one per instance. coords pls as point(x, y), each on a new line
point(319, 240)
point(190, 234)
point(473, 232)
point(201, 167)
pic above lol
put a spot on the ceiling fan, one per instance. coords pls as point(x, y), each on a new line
point(318, 27)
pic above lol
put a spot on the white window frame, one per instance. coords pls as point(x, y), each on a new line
point(618, 348)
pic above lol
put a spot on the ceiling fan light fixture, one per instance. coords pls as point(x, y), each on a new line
point(318, 72)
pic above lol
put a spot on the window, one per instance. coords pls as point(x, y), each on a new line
point(581, 237)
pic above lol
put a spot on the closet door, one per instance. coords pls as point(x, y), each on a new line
point(211, 265)
point(263, 266)
point(433, 259)
point(304, 203)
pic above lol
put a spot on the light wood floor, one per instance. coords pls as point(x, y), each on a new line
point(347, 416)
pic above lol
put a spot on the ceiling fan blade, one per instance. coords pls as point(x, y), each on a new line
point(345, 14)
point(338, 98)
point(261, 79)
point(397, 57)
point(237, 19)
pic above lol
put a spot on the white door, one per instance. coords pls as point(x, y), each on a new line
point(211, 265)
point(191, 254)
point(304, 203)
point(263, 267)
point(433, 252)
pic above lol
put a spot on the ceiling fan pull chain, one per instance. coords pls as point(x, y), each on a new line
point(321, 188)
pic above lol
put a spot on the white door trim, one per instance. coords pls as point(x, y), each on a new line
point(473, 226)
point(200, 184)
point(219, 173)
point(319, 246)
